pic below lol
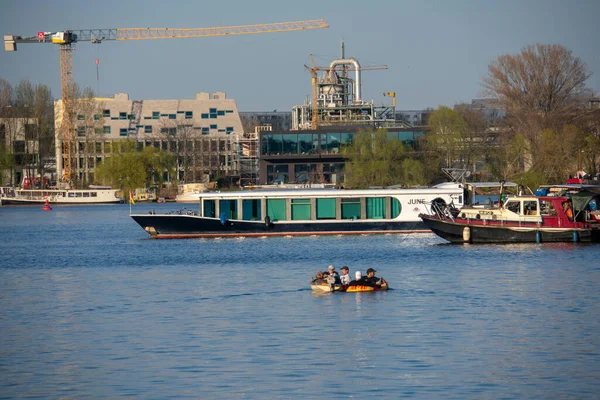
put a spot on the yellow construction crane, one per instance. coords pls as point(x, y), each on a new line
point(65, 40)
point(314, 71)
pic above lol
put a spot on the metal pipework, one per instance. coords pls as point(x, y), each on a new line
point(352, 61)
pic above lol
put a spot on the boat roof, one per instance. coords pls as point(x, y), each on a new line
point(579, 186)
point(491, 184)
point(311, 192)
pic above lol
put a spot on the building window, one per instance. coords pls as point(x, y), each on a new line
point(107, 130)
point(81, 131)
point(80, 117)
point(212, 110)
point(148, 129)
point(189, 115)
point(122, 115)
point(30, 132)
point(229, 130)
point(123, 132)
point(204, 116)
point(155, 114)
point(130, 116)
point(168, 131)
point(19, 146)
point(97, 117)
point(172, 116)
point(98, 131)
point(106, 113)
point(213, 127)
point(205, 131)
point(220, 113)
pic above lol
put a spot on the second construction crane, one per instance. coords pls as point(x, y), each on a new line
point(65, 40)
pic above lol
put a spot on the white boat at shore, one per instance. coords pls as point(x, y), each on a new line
point(18, 196)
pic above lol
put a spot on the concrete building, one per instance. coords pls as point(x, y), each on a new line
point(200, 132)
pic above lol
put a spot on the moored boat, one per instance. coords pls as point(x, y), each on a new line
point(301, 212)
point(17, 196)
point(521, 219)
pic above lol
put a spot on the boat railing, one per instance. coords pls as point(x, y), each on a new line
point(442, 211)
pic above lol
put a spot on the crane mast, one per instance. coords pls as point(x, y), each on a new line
point(65, 39)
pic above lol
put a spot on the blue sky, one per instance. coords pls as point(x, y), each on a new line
point(437, 51)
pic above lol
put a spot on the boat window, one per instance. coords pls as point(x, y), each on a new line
point(276, 209)
point(229, 208)
point(71, 194)
point(251, 210)
point(300, 209)
point(513, 206)
point(351, 208)
point(86, 194)
point(79, 194)
point(209, 208)
point(530, 207)
point(94, 194)
point(326, 209)
point(396, 208)
point(376, 207)
point(547, 208)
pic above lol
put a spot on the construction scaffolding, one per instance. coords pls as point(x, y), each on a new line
point(248, 155)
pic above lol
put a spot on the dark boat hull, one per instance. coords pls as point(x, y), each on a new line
point(459, 232)
point(171, 226)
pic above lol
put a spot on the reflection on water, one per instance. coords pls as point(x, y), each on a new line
point(92, 308)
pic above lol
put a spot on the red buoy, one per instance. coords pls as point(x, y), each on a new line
point(47, 206)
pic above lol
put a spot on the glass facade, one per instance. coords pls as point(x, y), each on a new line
point(291, 143)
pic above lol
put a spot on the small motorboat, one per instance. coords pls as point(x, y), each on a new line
point(326, 287)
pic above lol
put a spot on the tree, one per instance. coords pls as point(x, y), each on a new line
point(376, 160)
point(89, 136)
point(27, 117)
point(127, 169)
point(156, 162)
point(541, 88)
point(446, 137)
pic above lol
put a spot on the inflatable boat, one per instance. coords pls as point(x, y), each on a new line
point(364, 288)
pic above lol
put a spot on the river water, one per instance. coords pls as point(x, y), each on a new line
point(92, 308)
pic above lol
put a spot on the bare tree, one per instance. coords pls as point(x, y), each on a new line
point(183, 144)
point(542, 88)
point(545, 81)
point(89, 126)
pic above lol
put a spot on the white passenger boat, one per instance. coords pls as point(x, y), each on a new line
point(302, 212)
point(60, 196)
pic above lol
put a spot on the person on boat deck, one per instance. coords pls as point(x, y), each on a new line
point(319, 278)
point(345, 278)
point(568, 210)
point(333, 275)
point(372, 279)
point(358, 280)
